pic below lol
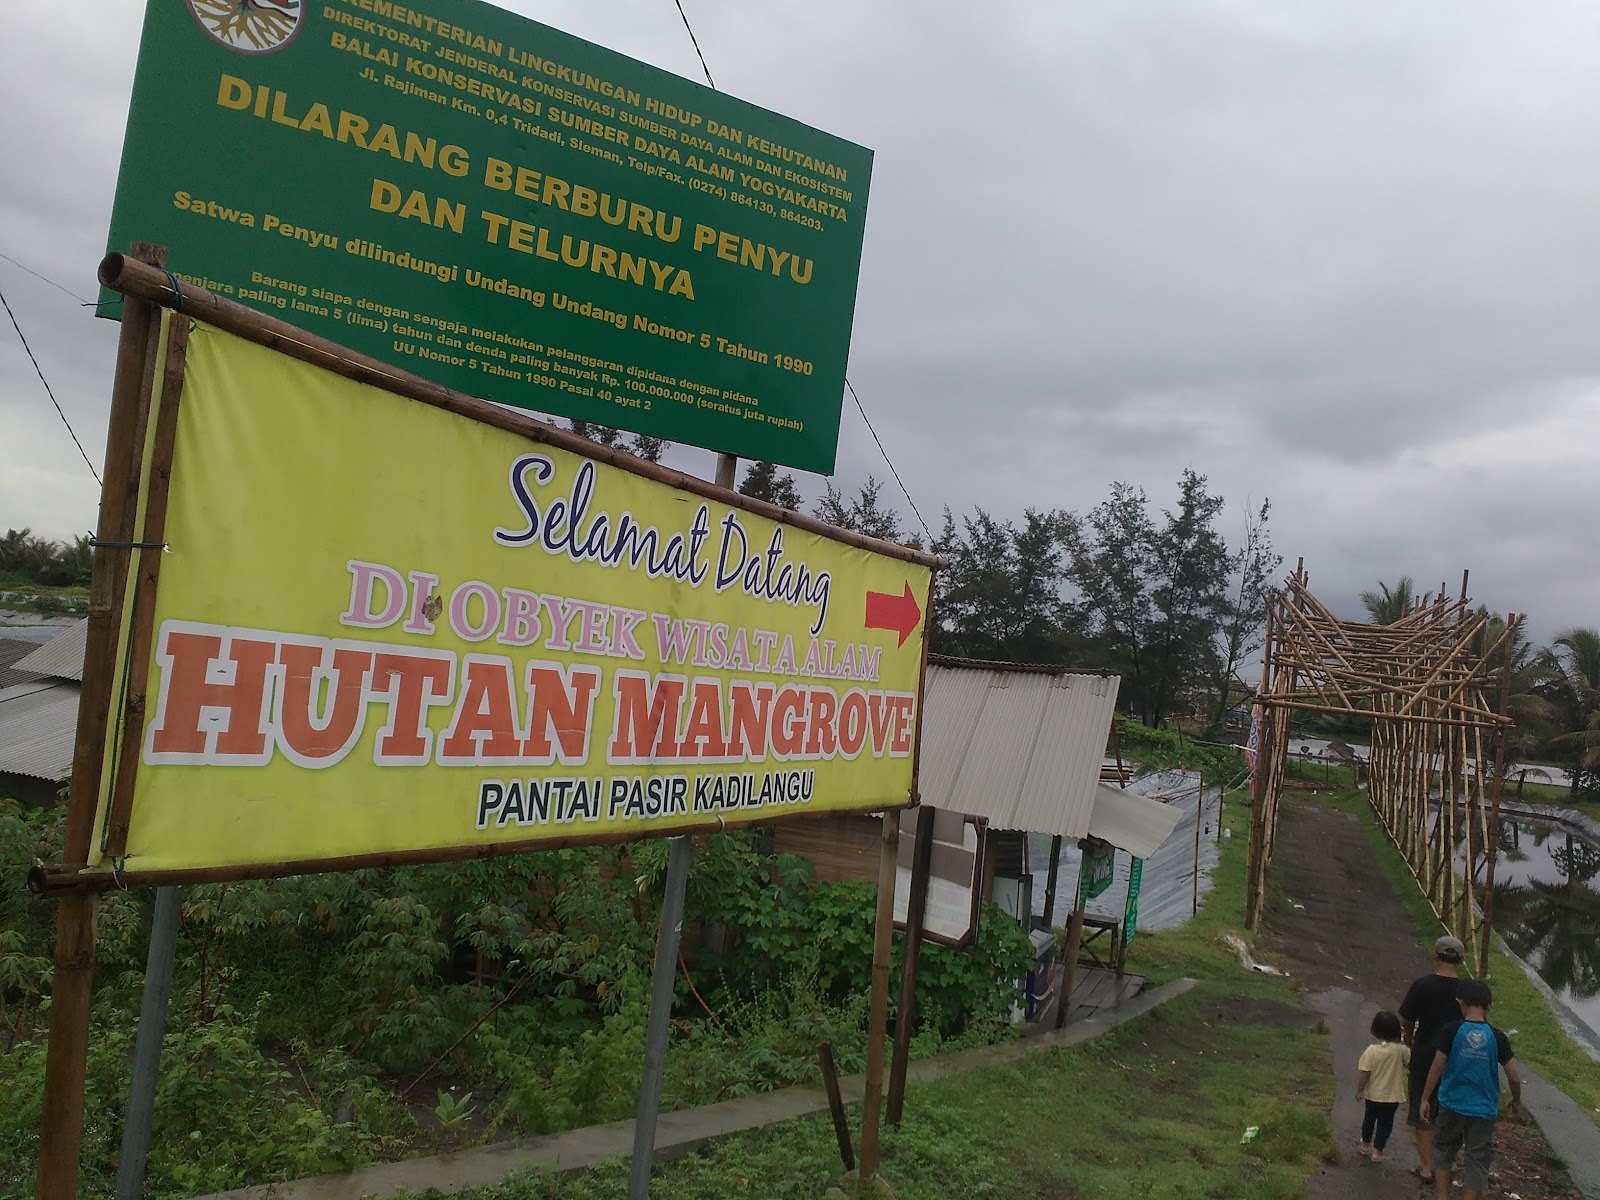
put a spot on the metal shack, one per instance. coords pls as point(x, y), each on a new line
point(1007, 751)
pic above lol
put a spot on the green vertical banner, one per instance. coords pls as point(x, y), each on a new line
point(1095, 871)
point(504, 209)
point(1130, 913)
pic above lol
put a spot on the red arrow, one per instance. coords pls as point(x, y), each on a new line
point(899, 613)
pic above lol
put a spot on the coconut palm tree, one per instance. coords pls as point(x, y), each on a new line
point(1389, 605)
point(1573, 691)
point(1530, 675)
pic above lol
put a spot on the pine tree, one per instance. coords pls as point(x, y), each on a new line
point(762, 482)
point(867, 513)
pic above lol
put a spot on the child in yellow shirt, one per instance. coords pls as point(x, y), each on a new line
point(1383, 1083)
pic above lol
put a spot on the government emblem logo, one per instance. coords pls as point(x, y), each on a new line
point(250, 26)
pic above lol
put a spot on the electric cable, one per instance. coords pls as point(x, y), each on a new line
point(48, 390)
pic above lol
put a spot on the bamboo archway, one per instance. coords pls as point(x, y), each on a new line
point(1439, 720)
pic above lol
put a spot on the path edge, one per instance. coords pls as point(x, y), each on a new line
point(678, 1133)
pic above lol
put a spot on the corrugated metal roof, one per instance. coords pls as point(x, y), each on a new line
point(1130, 821)
point(1021, 748)
point(62, 656)
point(12, 649)
point(38, 724)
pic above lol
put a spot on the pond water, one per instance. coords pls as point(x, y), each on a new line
point(1547, 907)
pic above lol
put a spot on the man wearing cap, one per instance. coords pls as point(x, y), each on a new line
point(1429, 1006)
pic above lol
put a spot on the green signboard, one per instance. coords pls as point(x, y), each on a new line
point(1130, 914)
point(1096, 870)
point(505, 209)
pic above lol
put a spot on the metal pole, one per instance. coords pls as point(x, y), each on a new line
point(655, 1043)
point(878, 1003)
point(147, 1048)
point(916, 910)
point(1199, 806)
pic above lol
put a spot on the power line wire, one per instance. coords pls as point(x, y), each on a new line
point(48, 390)
point(696, 42)
point(904, 490)
point(46, 279)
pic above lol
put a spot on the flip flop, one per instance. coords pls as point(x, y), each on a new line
point(1417, 1171)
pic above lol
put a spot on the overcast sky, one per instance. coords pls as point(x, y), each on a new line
point(1342, 255)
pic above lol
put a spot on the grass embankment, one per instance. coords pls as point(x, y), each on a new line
point(1518, 1003)
point(1156, 1108)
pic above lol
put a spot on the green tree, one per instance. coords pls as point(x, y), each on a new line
point(640, 446)
point(78, 557)
point(866, 513)
point(762, 482)
point(1190, 577)
point(1387, 605)
point(1152, 595)
point(25, 556)
point(1001, 596)
point(1109, 562)
point(1244, 617)
point(1573, 691)
point(1529, 677)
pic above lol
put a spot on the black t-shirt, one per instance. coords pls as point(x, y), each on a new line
point(1431, 1005)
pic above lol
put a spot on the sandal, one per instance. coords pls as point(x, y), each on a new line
point(1417, 1171)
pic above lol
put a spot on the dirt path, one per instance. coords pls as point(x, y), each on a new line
point(1334, 922)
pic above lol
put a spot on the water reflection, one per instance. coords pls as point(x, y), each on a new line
point(1548, 909)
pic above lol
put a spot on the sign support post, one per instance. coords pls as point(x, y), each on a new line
point(66, 1059)
point(147, 1047)
point(679, 850)
point(911, 961)
point(878, 1004)
point(655, 1044)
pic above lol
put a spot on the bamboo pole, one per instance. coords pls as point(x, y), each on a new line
point(1069, 955)
point(66, 1058)
point(135, 279)
point(1492, 848)
point(147, 576)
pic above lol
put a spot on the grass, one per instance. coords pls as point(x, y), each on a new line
point(1155, 1108)
point(1518, 1003)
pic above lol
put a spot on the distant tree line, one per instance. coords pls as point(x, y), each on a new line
point(26, 559)
point(1159, 598)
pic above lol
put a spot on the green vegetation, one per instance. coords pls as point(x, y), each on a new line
point(50, 578)
point(322, 1022)
point(1155, 1108)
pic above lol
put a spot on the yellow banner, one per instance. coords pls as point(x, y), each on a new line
point(382, 627)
